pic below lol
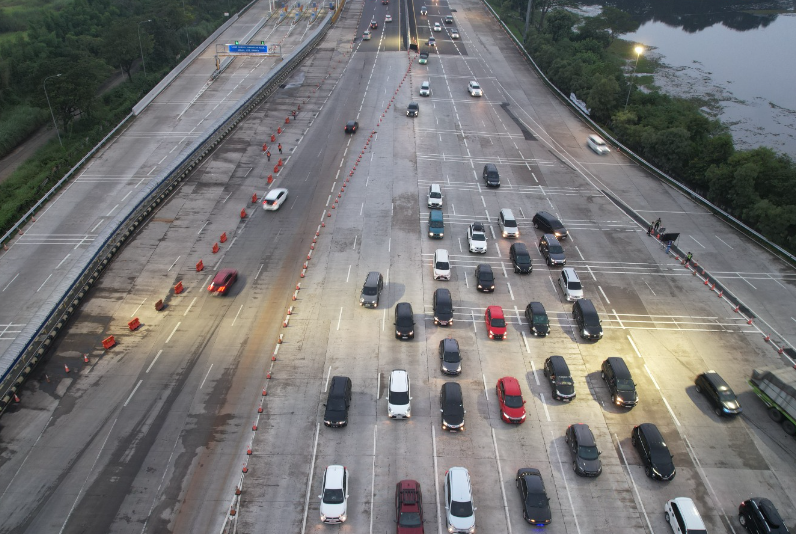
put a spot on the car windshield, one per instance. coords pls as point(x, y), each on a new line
point(451, 357)
point(475, 86)
point(540, 319)
point(513, 401)
point(625, 384)
point(555, 249)
point(413, 106)
point(510, 223)
point(597, 141)
point(695, 531)
point(555, 224)
point(536, 500)
point(337, 405)
point(369, 291)
point(410, 519)
point(478, 236)
point(435, 194)
point(564, 380)
point(399, 397)
point(270, 201)
point(726, 395)
point(443, 308)
point(461, 509)
point(333, 496)
point(574, 285)
point(498, 322)
point(523, 258)
point(588, 453)
point(486, 276)
point(443, 266)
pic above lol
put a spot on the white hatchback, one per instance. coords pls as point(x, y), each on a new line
point(399, 395)
point(442, 265)
point(459, 509)
point(334, 500)
point(597, 144)
point(474, 89)
point(437, 27)
point(274, 199)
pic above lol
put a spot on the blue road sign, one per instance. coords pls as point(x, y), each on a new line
point(249, 49)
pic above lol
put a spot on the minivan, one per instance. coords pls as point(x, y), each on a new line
point(337, 402)
point(557, 372)
point(491, 175)
point(520, 259)
point(654, 452)
point(443, 307)
point(548, 224)
point(537, 318)
point(404, 321)
point(452, 407)
point(620, 382)
point(718, 392)
point(586, 318)
point(682, 515)
point(399, 395)
point(459, 509)
point(436, 226)
point(434, 196)
point(570, 284)
point(581, 443)
point(425, 88)
point(552, 250)
point(371, 290)
point(508, 224)
point(442, 265)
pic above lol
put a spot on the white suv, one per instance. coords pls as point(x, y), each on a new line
point(442, 265)
point(425, 88)
point(597, 144)
point(399, 395)
point(570, 284)
point(459, 507)
point(334, 500)
point(434, 196)
point(683, 516)
point(474, 89)
point(476, 238)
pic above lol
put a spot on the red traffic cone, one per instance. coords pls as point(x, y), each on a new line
point(66, 368)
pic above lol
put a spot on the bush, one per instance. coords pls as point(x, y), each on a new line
point(17, 124)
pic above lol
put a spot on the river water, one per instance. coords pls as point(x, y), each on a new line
point(743, 64)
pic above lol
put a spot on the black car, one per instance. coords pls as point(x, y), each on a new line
point(404, 321)
point(654, 452)
point(557, 372)
point(520, 258)
point(718, 392)
point(584, 450)
point(338, 401)
point(549, 225)
point(443, 307)
point(537, 318)
point(413, 110)
point(484, 279)
point(620, 382)
point(450, 356)
point(535, 502)
point(552, 250)
point(452, 407)
point(374, 24)
point(759, 516)
point(351, 127)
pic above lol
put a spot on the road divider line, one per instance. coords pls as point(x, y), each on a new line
point(566, 486)
point(205, 378)
point(527, 348)
point(544, 404)
point(154, 360)
point(309, 478)
point(604, 296)
point(500, 475)
point(133, 393)
point(172, 332)
point(632, 344)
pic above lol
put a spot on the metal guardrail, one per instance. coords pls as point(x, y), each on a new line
point(38, 335)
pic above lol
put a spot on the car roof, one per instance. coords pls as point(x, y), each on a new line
point(399, 380)
point(402, 307)
point(511, 385)
point(223, 273)
point(769, 512)
point(273, 193)
point(559, 364)
point(716, 380)
point(426, 83)
point(459, 484)
point(334, 477)
point(414, 104)
point(551, 239)
point(597, 138)
point(689, 512)
point(584, 434)
point(441, 253)
point(537, 307)
point(450, 344)
point(484, 267)
point(443, 293)
point(351, 123)
point(495, 311)
point(453, 391)
point(477, 227)
point(652, 433)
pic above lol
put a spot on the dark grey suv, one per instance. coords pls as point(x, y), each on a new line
point(584, 449)
point(759, 516)
point(371, 290)
point(547, 223)
point(718, 393)
point(451, 358)
point(654, 452)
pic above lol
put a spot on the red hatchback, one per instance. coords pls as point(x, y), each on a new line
point(223, 281)
point(495, 322)
point(408, 507)
point(512, 407)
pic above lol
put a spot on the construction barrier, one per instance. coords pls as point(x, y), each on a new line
point(159, 305)
point(215, 248)
point(108, 342)
point(223, 238)
point(178, 288)
point(199, 266)
point(135, 323)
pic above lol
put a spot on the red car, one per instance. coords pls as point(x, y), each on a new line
point(223, 281)
point(408, 507)
point(509, 394)
point(495, 322)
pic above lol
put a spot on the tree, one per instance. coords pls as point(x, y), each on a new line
point(603, 97)
point(560, 23)
point(669, 149)
point(617, 22)
point(120, 46)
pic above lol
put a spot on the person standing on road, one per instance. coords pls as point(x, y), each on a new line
point(668, 247)
point(688, 259)
point(268, 155)
point(657, 224)
point(280, 147)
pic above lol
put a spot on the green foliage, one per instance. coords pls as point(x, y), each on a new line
point(18, 124)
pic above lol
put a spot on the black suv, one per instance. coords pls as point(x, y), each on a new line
point(552, 250)
point(557, 372)
point(413, 110)
point(450, 356)
point(484, 278)
point(520, 259)
point(443, 307)
point(654, 452)
point(404, 321)
point(718, 392)
point(452, 407)
point(759, 516)
point(537, 318)
point(549, 225)
point(620, 383)
point(337, 402)
point(371, 290)
point(587, 456)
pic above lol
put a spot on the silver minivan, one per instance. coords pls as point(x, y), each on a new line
point(508, 224)
point(459, 509)
point(570, 284)
point(442, 265)
point(425, 88)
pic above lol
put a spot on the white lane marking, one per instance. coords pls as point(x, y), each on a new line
point(42, 284)
point(483, 201)
point(383, 319)
point(348, 275)
point(747, 281)
point(544, 404)
point(355, 243)
point(486, 393)
point(236, 315)
point(328, 200)
point(533, 368)
point(11, 282)
point(436, 478)
point(223, 201)
point(500, 474)
point(154, 360)
point(137, 308)
point(510, 291)
point(88, 475)
point(697, 242)
point(604, 296)
point(172, 332)
point(498, 248)
point(638, 495)
point(173, 264)
point(648, 286)
point(208, 374)
point(618, 319)
point(373, 478)
point(503, 266)
point(362, 207)
point(309, 478)
point(339, 317)
point(328, 374)
point(552, 283)
point(10, 482)
point(389, 244)
point(720, 239)
point(99, 223)
point(466, 282)
point(579, 253)
point(473, 316)
point(189, 307)
point(203, 227)
point(527, 347)
point(453, 209)
point(259, 271)
point(62, 261)
point(133, 393)
point(633, 345)
point(668, 407)
point(566, 486)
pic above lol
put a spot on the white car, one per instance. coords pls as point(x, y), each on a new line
point(366, 35)
point(425, 88)
point(570, 284)
point(476, 238)
point(597, 144)
point(274, 199)
point(454, 33)
point(334, 500)
point(399, 395)
point(459, 509)
point(434, 196)
point(441, 265)
point(683, 516)
point(432, 41)
point(388, 18)
point(474, 89)
point(437, 27)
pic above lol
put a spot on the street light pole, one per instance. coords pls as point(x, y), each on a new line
point(142, 46)
point(51, 108)
point(638, 50)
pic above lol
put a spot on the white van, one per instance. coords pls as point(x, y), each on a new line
point(434, 196)
point(508, 224)
point(442, 265)
point(682, 515)
point(570, 284)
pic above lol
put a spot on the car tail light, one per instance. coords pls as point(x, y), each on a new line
point(222, 288)
point(210, 287)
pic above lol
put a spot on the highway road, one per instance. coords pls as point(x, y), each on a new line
point(152, 436)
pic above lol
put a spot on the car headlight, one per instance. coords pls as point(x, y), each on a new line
point(585, 333)
point(479, 286)
point(361, 299)
point(491, 333)
point(505, 234)
point(656, 472)
point(505, 415)
point(444, 426)
point(343, 517)
point(491, 287)
point(411, 332)
point(451, 528)
point(323, 518)
point(472, 529)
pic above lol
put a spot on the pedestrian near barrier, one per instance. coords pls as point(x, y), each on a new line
point(268, 155)
point(668, 247)
point(688, 259)
point(656, 225)
point(649, 229)
point(279, 147)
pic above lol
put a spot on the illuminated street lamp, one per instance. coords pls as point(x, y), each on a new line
point(142, 46)
point(638, 49)
point(51, 108)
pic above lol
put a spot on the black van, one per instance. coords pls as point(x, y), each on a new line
point(337, 402)
point(654, 452)
point(491, 175)
point(537, 319)
point(518, 254)
point(585, 316)
point(452, 407)
point(443, 307)
point(549, 225)
point(405, 321)
point(620, 383)
point(557, 371)
point(371, 290)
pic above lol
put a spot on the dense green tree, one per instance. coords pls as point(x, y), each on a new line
point(602, 97)
point(617, 22)
point(560, 23)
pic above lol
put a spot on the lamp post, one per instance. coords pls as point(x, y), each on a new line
point(638, 49)
point(142, 46)
point(51, 108)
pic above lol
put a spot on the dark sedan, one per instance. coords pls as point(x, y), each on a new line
point(535, 502)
